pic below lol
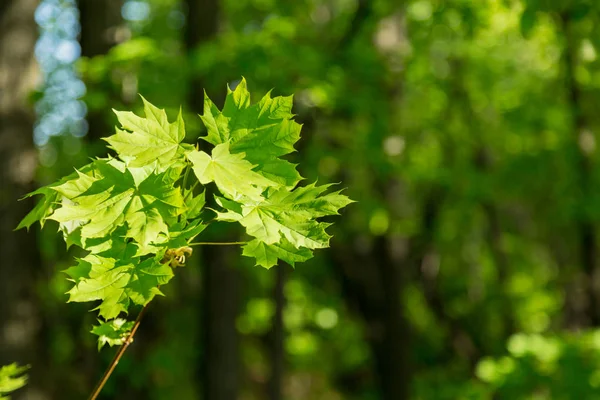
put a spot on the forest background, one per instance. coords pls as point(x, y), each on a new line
point(466, 130)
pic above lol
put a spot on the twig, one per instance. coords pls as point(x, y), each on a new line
point(183, 184)
point(215, 243)
point(119, 354)
point(185, 177)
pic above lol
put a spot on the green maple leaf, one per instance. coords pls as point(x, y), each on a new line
point(115, 243)
point(150, 139)
point(101, 278)
point(266, 255)
point(46, 206)
point(146, 278)
point(263, 132)
point(11, 378)
point(42, 209)
point(232, 173)
point(183, 233)
point(195, 204)
point(286, 219)
point(116, 281)
point(113, 332)
point(111, 195)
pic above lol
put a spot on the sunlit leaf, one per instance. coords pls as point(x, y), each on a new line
point(149, 139)
point(113, 332)
point(12, 378)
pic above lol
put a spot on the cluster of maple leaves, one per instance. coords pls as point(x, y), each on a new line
point(128, 212)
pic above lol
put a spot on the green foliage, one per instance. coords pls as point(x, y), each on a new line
point(449, 121)
point(558, 366)
point(113, 332)
point(136, 215)
point(288, 215)
point(150, 139)
point(11, 378)
point(262, 132)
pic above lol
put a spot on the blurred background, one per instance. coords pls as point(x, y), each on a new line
point(466, 131)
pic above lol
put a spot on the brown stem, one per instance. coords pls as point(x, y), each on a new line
point(118, 356)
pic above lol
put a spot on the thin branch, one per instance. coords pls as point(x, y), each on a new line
point(215, 243)
point(184, 183)
point(185, 177)
point(118, 356)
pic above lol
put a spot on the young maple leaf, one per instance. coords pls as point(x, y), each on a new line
point(150, 139)
point(266, 255)
point(285, 223)
point(11, 378)
point(263, 132)
point(111, 195)
point(113, 332)
point(232, 173)
point(116, 279)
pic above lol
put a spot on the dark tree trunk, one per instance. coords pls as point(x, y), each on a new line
point(372, 279)
point(588, 246)
point(19, 310)
point(221, 281)
point(202, 26)
point(221, 306)
point(100, 20)
point(391, 349)
point(372, 284)
point(277, 334)
point(482, 162)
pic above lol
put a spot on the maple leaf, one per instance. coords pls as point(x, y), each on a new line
point(113, 332)
point(150, 139)
point(11, 378)
point(46, 206)
point(116, 281)
point(263, 132)
point(183, 233)
point(112, 194)
point(287, 218)
point(195, 204)
point(266, 255)
point(232, 173)
point(42, 209)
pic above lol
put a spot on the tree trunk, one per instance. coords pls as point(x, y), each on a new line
point(372, 284)
point(221, 306)
point(372, 279)
point(219, 366)
point(99, 21)
point(277, 335)
point(588, 246)
point(19, 311)
point(202, 26)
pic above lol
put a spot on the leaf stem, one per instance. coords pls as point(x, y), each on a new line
point(215, 243)
point(183, 183)
point(119, 354)
point(185, 178)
